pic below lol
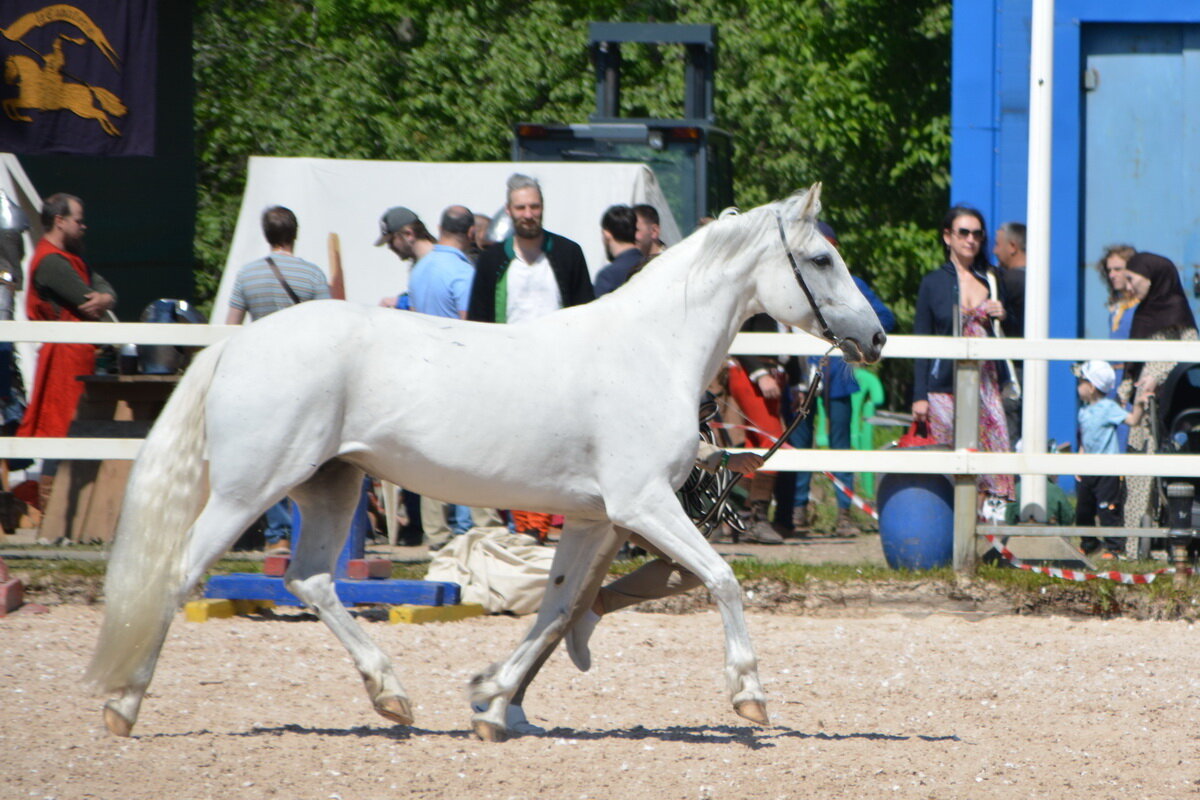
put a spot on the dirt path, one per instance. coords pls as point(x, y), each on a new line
point(917, 706)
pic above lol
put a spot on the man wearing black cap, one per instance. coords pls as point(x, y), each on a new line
point(406, 236)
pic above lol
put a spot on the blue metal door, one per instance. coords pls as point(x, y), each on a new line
point(1141, 151)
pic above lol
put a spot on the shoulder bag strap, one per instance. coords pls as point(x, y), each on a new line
point(1014, 387)
point(279, 276)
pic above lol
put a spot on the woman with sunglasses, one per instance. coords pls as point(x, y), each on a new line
point(961, 283)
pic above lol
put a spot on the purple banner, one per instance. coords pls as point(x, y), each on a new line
point(79, 77)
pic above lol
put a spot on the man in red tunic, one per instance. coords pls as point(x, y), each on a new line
point(61, 288)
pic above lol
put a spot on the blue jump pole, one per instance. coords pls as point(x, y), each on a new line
point(356, 542)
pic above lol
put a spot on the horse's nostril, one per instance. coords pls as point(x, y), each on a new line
point(879, 339)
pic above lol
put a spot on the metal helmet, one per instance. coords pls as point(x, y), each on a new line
point(501, 227)
point(165, 359)
point(12, 216)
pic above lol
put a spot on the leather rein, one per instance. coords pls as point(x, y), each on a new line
point(814, 387)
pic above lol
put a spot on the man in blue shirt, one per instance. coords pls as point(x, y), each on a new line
point(405, 235)
point(440, 283)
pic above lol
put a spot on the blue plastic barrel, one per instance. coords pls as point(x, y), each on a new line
point(916, 520)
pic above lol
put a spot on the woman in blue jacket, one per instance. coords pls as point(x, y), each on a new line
point(961, 282)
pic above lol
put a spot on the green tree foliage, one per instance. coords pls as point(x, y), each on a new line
point(854, 93)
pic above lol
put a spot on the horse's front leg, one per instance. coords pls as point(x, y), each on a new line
point(663, 523)
point(584, 549)
point(13, 111)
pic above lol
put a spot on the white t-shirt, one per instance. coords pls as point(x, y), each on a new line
point(532, 290)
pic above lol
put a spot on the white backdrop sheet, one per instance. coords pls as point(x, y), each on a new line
point(348, 197)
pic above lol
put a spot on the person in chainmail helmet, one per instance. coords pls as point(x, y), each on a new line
point(13, 224)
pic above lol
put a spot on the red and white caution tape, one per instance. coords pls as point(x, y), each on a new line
point(739, 426)
point(1077, 575)
point(997, 545)
point(861, 504)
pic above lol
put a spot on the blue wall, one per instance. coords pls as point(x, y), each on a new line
point(989, 128)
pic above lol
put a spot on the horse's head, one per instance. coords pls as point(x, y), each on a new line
point(802, 281)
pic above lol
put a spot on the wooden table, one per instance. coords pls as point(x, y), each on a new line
point(87, 495)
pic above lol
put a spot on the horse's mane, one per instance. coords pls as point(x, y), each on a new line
point(730, 235)
point(733, 233)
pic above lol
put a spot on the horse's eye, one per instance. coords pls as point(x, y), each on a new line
point(822, 260)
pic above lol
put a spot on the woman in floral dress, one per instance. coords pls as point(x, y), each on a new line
point(961, 283)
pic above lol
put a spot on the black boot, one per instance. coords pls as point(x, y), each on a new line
point(801, 520)
point(845, 525)
point(760, 530)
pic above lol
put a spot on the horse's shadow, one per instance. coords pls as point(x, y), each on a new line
point(747, 736)
point(752, 737)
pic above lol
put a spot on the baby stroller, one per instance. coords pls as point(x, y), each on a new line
point(1175, 427)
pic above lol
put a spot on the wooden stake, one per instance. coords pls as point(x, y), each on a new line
point(337, 283)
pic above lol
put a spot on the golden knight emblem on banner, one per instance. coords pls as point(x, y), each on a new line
point(43, 86)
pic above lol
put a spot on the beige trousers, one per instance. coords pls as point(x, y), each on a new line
point(437, 530)
point(651, 581)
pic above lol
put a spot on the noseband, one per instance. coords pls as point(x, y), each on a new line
point(826, 332)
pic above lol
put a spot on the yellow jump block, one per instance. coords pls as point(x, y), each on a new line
point(419, 615)
point(204, 610)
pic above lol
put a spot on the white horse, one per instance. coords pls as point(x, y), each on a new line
point(589, 412)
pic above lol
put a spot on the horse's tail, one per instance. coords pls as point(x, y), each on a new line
point(109, 101)
point(147, 566)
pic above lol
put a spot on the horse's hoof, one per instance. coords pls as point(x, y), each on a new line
point(487, 731)
point(395, 708)
point(754, 711)
point(116, 722)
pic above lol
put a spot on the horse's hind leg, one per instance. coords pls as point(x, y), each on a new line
point(327, 502)
point(575, 574)
point(592, 583)
point(665, 525)
point(213, 533)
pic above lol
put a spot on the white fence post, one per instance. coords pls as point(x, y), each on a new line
point(966, 437)
point(1037, 271)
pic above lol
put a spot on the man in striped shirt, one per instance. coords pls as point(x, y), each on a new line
point(258, 290)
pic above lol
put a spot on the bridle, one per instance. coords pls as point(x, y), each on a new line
point(708, 523)
point(826, 332)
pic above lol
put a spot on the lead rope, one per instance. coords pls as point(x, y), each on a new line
point(713, 495)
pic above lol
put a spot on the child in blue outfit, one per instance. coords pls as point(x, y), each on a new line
point(1101, 496)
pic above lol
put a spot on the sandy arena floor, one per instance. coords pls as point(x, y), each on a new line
point(919, 706)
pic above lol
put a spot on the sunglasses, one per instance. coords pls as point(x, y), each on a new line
point(976, 234)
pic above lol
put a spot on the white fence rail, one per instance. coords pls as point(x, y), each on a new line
point(960, 462)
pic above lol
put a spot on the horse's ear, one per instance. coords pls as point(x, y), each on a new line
point(812, 202)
